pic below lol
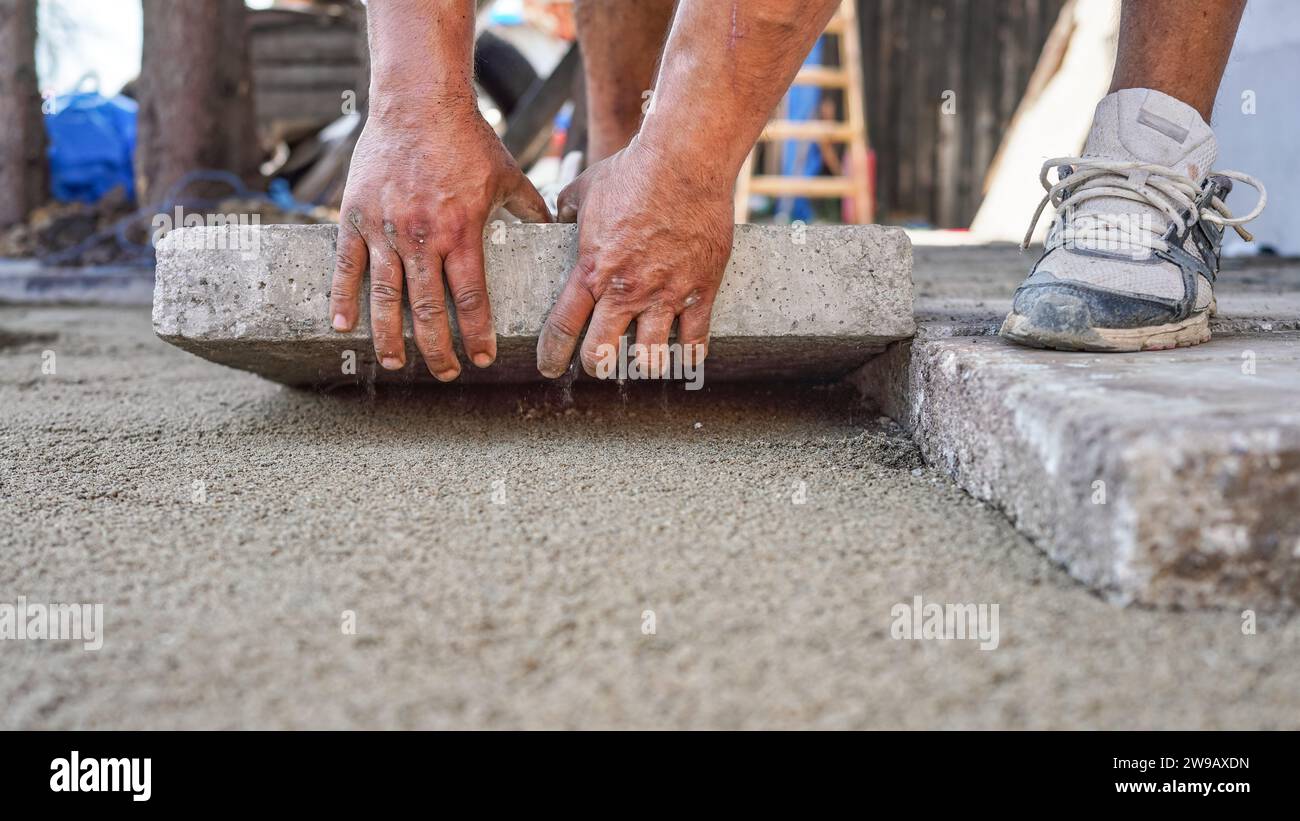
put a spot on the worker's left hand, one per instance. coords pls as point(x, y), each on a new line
point(653, 240)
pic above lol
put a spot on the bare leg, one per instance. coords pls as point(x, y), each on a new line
point(1179, 47)
point(621, 42)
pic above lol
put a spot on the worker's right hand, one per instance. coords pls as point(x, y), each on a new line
point(424, 181)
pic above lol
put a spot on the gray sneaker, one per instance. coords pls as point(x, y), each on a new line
point(1130, 260)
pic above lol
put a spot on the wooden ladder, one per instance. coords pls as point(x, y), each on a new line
point(851, 131)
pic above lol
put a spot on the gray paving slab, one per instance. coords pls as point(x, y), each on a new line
point(28, 282)
point(1163, 478)
point(811, 302)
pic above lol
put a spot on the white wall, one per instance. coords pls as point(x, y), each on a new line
point(1265, 63)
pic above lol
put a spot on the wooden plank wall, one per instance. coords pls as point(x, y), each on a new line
point(930, 165)
point(302, 63)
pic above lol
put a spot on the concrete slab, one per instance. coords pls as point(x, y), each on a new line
point(1167, 478)
point(28, 282)
point(1163, 478)
point(807, 303)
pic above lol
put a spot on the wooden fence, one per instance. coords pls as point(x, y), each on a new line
point(942, 80)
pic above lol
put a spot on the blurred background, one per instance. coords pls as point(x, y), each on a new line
point(931, 114)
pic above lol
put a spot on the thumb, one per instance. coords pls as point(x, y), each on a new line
point(570, 200)
point(524, 202)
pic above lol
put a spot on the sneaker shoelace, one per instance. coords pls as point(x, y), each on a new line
point(1174, 194)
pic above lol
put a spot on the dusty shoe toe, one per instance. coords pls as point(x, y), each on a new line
point(1074, 316)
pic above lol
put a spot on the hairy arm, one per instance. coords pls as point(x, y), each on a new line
point(426, 174)
point(655, 220)
point(725, 67)
point(420, 51)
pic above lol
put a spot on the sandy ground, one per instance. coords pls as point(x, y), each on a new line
point(526, 609)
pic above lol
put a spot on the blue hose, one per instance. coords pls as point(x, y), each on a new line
point(143, 254)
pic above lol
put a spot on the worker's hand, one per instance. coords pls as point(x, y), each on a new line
point(422, 184)
point(653, 240)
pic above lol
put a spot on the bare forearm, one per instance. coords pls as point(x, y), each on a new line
point(725, 68)
point(426, 173)
point(421, 54)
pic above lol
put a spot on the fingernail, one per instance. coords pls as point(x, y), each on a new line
point(340, 322)
point(391, 363)
point(482, 360)
point(448, 375)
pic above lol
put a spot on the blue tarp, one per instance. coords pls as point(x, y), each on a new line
point(92, 141)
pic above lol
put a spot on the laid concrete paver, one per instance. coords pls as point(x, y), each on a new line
point(807, 302)
point(28, 282)
point(1166, 477)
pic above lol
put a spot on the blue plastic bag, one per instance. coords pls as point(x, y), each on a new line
point(91, 145)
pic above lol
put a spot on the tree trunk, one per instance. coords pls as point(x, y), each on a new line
point(196, 96)
point(24, 172)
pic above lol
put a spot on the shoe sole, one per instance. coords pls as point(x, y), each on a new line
point(1191, 331)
